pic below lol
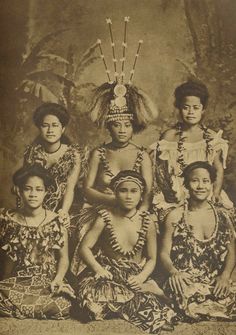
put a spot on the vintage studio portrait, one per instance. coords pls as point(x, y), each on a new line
point(118, 167)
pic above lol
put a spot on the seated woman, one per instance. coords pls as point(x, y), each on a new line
point(63, 160)
point(198, 251)
point(118, 154)
point(188, 141)
point(36, 242)
point(116, 281)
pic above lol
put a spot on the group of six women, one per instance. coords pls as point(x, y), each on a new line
point(133, 197)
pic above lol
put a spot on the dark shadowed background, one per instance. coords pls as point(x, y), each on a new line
point(49, 53)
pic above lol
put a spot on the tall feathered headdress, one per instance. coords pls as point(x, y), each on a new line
point(116, 100)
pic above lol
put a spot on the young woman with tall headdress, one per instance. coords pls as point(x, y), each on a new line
point(124, 110)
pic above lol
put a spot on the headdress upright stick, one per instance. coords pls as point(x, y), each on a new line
point(109, 22)
point(124, 44)
point(117, 100)
point(104, 61)
point(135, 61)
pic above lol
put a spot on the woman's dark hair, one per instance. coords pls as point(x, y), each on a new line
point(191, 88)
point(51, 108)
point(21, 176)
point(128, 173)
point(136, 127)
point(198, 165)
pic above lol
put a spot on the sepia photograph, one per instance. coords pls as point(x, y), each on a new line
point(118, 167)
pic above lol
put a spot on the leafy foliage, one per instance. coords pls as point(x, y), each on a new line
point(215, 64)
point(48, 77)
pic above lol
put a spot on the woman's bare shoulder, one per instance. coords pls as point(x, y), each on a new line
point(135, 146)
point(169, 135)
point(95, 153)
point(175, 215)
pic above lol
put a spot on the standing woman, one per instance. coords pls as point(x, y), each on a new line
point(37, 244)
point(188, 141)
point(53, 150)
point(123, 110)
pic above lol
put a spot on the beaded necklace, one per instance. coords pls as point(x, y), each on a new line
point(53, 152)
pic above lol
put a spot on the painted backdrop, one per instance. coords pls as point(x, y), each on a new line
point(49, 53)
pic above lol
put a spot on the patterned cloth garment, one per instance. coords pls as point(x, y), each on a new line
point(60, 170)
point(102, 298)
point(204, 260)
point(27, 294)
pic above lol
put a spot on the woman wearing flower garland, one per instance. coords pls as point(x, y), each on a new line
point(198, 251)
point(116, 282)
point(190, 140)
point(52, 149)
point(36, 242)
point(123, 110)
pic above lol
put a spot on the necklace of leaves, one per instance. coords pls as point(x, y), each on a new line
point(180, 145)
point(113, 237)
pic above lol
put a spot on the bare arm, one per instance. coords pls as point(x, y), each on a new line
point(151, 253)
point(178, 279)
point(166, 243)
point(230, 259)
point(94, 196)
point(71, 183)
point(62, 266)
point(88, 243)
point(147, 173)
point(219, 175)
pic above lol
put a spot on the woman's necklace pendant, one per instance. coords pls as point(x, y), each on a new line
point(40, 223)
point(132, 216)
